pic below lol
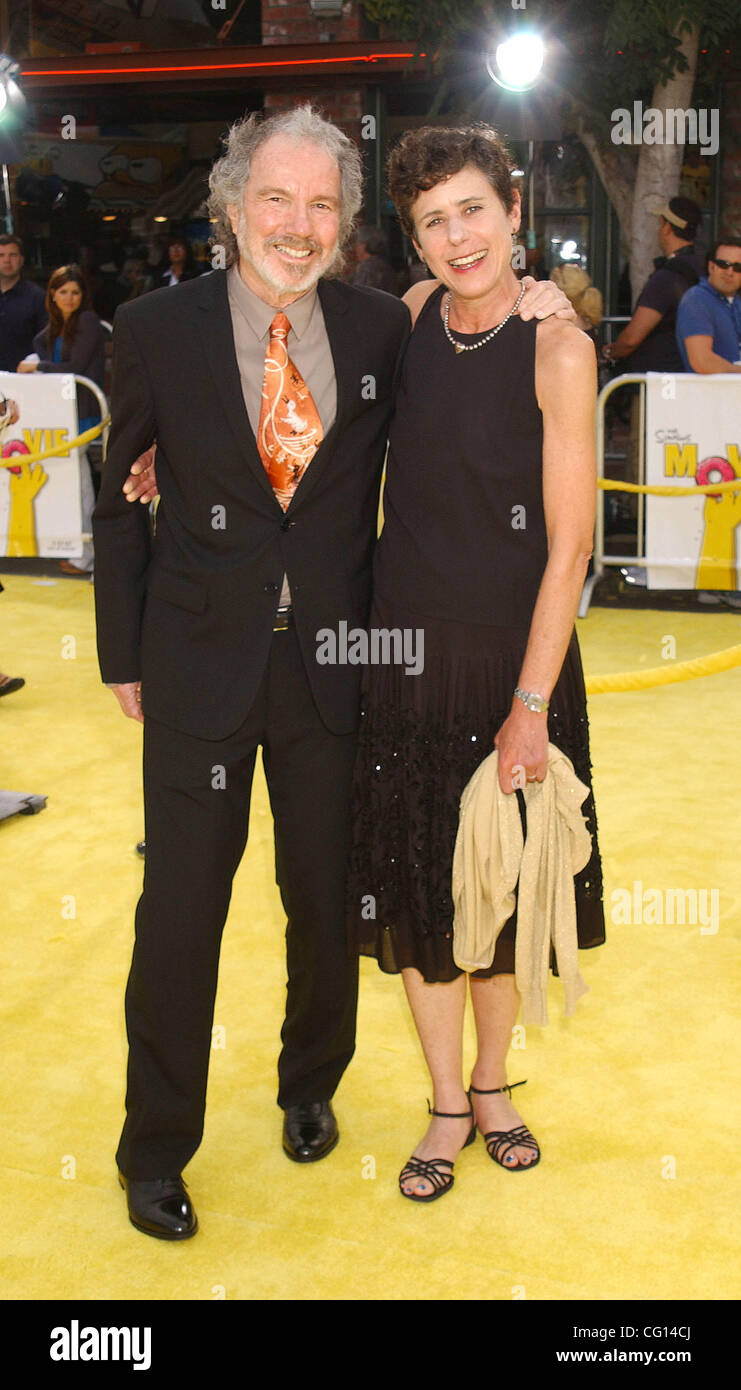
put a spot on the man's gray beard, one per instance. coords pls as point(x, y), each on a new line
point(332, 268)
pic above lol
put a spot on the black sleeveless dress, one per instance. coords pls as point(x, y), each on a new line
point(460, 559)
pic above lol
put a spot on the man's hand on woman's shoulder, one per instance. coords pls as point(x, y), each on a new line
point(543, 298)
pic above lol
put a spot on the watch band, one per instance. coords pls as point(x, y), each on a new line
point(537, 704)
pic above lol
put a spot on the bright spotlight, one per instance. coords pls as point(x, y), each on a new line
point(12, 111)
point(517, 62)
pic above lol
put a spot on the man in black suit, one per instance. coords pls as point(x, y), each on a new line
point(209, 629)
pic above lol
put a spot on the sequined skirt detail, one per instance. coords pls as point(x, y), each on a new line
point(421, 739)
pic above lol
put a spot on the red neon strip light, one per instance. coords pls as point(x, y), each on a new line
point(216, 67)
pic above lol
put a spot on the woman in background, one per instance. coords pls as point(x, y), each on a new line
point(73, 342)
point(180, 264)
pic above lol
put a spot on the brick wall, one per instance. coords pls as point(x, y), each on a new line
point(291, 21)
point(346, 106)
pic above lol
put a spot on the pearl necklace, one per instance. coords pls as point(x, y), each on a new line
point(471, 347)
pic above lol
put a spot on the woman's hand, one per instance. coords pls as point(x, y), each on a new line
point(27, 366)
point(543, 298)
point(522, 744)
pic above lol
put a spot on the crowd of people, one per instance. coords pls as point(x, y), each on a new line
point(685, 321)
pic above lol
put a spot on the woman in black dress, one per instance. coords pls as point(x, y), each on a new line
point(489, 513)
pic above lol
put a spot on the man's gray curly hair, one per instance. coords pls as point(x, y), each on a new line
point(230, 173)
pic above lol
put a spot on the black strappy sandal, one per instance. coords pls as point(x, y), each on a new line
point(429, 1168)
point(500, 1142)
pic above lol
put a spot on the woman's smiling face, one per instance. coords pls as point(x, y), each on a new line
point(464, 232)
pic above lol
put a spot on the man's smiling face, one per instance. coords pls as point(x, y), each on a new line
point(288, 224)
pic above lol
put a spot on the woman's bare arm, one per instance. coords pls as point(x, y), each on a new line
point(566, 388)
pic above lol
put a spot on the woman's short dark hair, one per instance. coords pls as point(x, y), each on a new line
point(431, 154)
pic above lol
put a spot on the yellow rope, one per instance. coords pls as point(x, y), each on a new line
point(665, 675)
point(607, 484)
point(13, 460)
point(596, 685)
point(611, 485)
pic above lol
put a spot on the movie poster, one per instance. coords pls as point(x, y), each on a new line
point(40, 512)
point(693, 436)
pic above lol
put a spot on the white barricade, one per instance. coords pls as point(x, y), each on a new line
point(689, 434)
point(40, 511)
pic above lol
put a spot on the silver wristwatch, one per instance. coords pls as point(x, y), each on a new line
point(537, 703)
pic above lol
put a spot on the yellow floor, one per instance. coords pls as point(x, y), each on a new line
point(632, 1100)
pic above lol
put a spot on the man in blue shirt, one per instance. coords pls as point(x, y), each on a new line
point(709, 315)
point(22, 306)
point(709, 338)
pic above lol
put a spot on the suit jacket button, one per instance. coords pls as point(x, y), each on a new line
point(286, 525)
point(271, 588)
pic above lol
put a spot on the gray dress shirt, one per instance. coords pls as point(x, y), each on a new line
point(307, 345)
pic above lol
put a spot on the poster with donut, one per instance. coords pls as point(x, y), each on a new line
point(40, 510)
point(693, 438)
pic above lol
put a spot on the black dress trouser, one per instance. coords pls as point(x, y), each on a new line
point(196, 820)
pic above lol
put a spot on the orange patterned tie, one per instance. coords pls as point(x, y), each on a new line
point(290, 431)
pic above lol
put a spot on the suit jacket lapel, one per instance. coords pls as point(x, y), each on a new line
point(218, 342)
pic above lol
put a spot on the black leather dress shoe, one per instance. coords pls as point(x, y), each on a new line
point(160, 1207)
point(309, 1131)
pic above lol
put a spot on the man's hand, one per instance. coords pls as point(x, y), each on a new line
point(129, 698)
point(542, 298)
point(141, 483)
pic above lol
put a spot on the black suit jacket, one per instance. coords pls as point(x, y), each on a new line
point(190, 611)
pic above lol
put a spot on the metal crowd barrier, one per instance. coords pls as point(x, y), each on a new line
point(600, 559)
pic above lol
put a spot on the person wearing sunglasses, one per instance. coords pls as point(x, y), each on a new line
point(709, 314)
point(709, 339)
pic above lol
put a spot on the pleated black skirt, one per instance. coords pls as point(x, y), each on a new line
point(421, 739)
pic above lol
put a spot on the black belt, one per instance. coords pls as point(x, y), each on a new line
point(283, 619)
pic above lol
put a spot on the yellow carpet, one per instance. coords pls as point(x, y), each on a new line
point(632, 1100)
